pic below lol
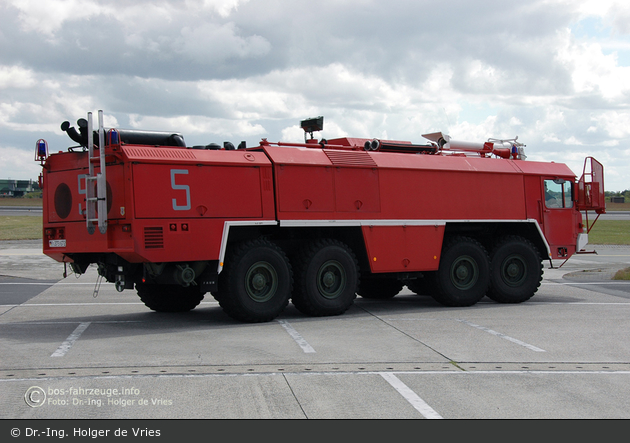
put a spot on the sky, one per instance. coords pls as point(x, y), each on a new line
point(554, 73)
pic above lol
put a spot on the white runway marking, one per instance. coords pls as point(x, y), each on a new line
point(66, 345)
point(413, 398)
point(498, 334)
point(296, 336)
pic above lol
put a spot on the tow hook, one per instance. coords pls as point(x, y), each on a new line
point(120, 283)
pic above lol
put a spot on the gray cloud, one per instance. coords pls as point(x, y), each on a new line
point(250, 69)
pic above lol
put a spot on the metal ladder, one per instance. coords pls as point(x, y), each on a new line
point(96, 195)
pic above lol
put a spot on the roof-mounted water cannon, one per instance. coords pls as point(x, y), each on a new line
point(311, 125)
point(508, 149)
point(517, 149)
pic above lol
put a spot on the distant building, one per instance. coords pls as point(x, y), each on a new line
point(621, 199)
point(17, 188)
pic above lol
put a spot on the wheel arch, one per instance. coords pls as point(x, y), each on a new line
point(489, 233)
point(290, 238)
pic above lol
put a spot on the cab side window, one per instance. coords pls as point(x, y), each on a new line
point(558, 194)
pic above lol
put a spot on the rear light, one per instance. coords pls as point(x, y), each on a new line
point(55, 233)
point(126, 228)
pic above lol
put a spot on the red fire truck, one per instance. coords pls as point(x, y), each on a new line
point(314, 223)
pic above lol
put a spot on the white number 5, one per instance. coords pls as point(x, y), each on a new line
point(176, 187)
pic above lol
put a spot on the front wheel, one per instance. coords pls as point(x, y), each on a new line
point(327, 277)
point(256, 282)
point(516, 271)
point(464, 273)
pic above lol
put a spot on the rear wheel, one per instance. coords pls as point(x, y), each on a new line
point(256, 282)
point(516, 271)
point(464, 273)
point(169, 298)
point(327, 276)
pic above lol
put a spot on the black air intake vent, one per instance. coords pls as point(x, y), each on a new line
point(153, 237)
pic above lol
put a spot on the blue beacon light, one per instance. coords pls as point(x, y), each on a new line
point(41, 150)
point(113, 137)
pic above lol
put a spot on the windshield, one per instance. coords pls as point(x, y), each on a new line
point(558, 194)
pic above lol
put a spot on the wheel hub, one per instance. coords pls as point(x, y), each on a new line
point(328, 279)
point(461, 272)
point(331, 279)
point(261, 282)
point(258, 282)
point(514, 270)
point(464, 273)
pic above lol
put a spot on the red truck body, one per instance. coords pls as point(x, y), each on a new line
point(314, 223)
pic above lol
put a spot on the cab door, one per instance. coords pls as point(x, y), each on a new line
point(559, 223)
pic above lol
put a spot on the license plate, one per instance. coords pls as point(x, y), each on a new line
point(57, 243)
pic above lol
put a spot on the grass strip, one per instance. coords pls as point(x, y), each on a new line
point(22, 227)
point(610, 232)
point(622, 274)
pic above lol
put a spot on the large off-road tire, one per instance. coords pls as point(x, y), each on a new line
point(326, 280)
point(379, 288)
point(169, 298)
point(516, 270)
point(464, 273)
point(256, 282)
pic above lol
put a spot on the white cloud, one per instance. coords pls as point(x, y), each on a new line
point(19, 164)
point(15, 77)
point(211, 44)
point(616, 124)
point(592, 70)
point(223, 7)
point(196, 125)
point(47, 17)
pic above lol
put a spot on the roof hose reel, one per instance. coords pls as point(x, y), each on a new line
point(372, 145)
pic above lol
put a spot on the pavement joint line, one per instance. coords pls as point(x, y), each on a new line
point(575, 303)
point(318, 373)
point(573, 283)
point(69, 322)
point(34, 305)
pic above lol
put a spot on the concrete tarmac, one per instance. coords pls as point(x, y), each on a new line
point(77, 350)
